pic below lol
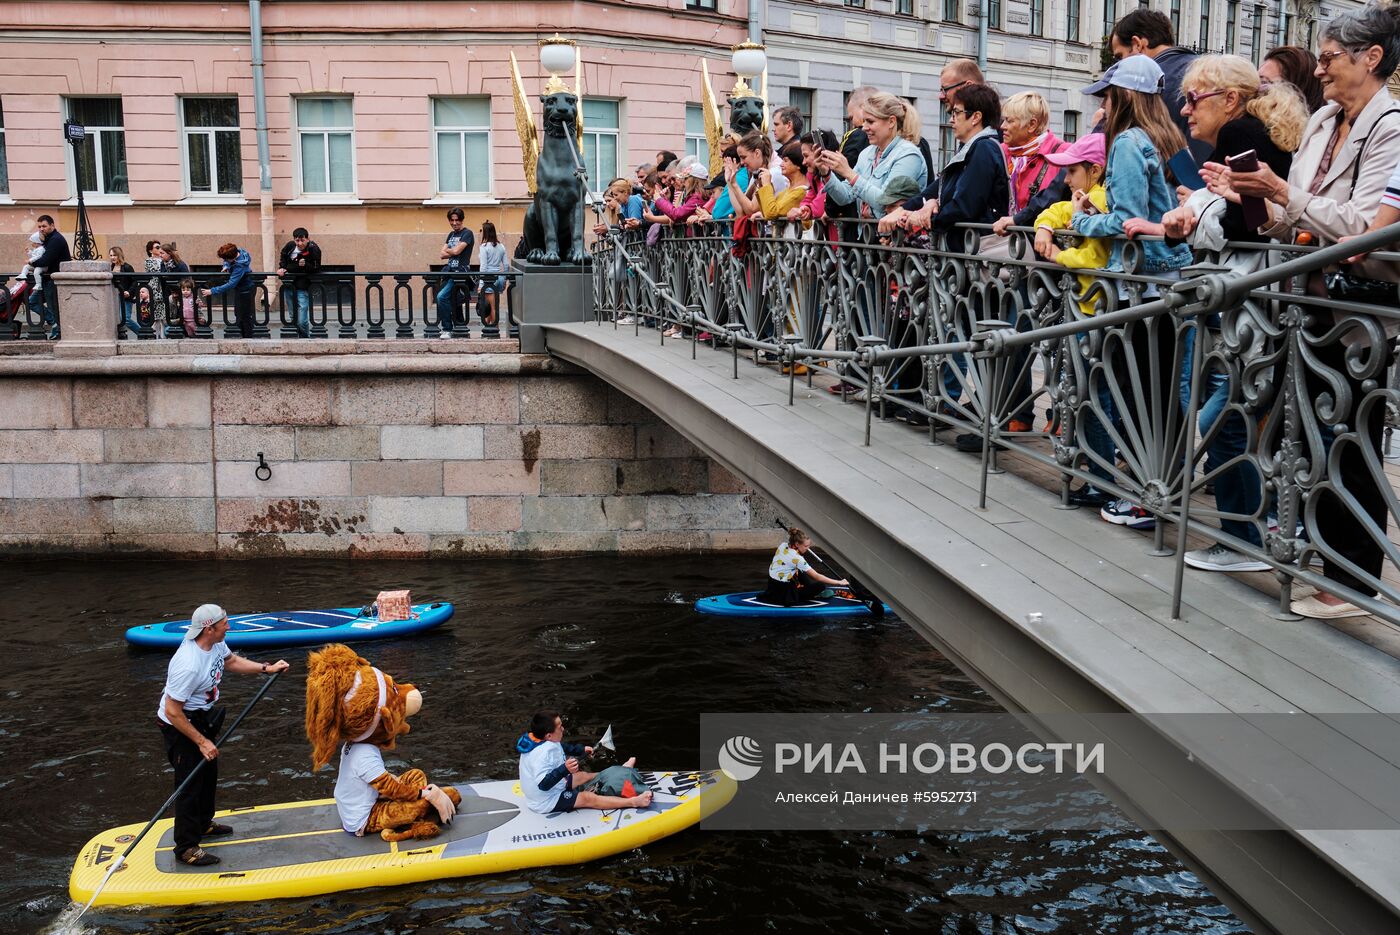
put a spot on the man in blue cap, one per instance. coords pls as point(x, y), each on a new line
point(189, 723)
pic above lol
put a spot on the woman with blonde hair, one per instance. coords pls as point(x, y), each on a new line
point(1228, 107)
point(892, 127)
point(1026, 139)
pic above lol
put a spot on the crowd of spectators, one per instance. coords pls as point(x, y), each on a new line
point(1190, 154)
point(166, 302)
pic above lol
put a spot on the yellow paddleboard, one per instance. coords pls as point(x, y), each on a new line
point(299, 848)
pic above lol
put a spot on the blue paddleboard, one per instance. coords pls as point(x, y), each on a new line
point(299, 627)
point(747, 604)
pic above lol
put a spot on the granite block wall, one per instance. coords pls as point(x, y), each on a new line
point(436, 464)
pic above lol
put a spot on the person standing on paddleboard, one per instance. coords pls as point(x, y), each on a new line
point(189, 723)
point(786, 586)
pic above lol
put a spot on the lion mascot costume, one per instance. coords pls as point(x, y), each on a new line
point(352, 705)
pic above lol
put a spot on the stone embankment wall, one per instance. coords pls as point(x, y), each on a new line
point(403, 466)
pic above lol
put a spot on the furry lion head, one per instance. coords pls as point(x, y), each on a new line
point(350, 701)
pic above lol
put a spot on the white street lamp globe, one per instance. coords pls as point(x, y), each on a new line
point(557, 57)
point(749, 60)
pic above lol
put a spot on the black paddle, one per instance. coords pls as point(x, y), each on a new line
point(121, 858)
point(862, 593)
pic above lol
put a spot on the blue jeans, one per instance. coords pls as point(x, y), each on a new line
point(1237, 488)
point(446, 301)
point(128, 309)
point(43, 302)
point(1096, 434)
point(301, 301)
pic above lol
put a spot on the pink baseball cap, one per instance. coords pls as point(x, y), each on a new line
point(1088, 148)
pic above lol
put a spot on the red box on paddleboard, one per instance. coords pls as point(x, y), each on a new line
point(394, 605)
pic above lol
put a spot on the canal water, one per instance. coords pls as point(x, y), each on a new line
point(608, 639)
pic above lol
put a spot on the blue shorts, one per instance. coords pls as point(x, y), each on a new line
point(568, 799)
point(493, 286)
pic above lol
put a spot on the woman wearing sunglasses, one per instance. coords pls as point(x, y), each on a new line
point(1230, 108)
point(1332, 191)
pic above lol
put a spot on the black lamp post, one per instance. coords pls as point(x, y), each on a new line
point(84, 246)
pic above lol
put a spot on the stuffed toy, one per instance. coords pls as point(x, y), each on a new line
point(352, 705)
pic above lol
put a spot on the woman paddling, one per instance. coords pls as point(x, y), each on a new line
point(785, 585)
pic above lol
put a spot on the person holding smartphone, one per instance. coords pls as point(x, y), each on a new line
point(1228, 107)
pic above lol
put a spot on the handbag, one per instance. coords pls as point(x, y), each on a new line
point(1346, 286)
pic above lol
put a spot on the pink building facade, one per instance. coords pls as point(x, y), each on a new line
point(380, 115)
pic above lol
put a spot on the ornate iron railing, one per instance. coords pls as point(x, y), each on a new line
point(1238, 376)
point(341, 305)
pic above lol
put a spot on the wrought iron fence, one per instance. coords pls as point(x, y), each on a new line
point(1235, 400)
point(338, 305)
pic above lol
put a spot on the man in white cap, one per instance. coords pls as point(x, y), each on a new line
point(189, 724)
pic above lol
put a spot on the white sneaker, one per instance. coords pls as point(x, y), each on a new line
point(1221, 558)
point(445, 334)
point(627, 320)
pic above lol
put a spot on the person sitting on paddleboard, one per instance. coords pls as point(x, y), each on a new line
point(550, 778)
point(785, 585)
point(189, 725)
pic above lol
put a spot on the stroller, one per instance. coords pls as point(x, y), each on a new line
point(12, 305)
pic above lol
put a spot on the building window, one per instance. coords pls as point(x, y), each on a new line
point(947, 142)
point(4, 163)
point(904, 7)
point(462, 144)
point(951, 13)
point(1037, 17)
point(699, 4)
point(1176, 18)
point(213, 148)
point(695, 142)
point(1232, 14)
point(1110, 17)
point(802, 98)
point(1256, 34)
point(104, 148)
point(1072, 21)
point(993, 13)
point(1071, 126)
point(1205, 26)
point(856, 3)
point(326, 127)
point(600, 132)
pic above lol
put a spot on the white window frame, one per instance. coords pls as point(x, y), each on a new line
point(702, 143)
point(212, 197)
point(474, 196)
point(615, 132)
point(1078, 116)
point(89, 196)
point(305, 197)
point(1074, 14)
point(5, 197)
point(1232, 26)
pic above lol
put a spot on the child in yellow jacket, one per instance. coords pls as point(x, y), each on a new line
point(1084, 171)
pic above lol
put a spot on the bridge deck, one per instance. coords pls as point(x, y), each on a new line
point(903, 515)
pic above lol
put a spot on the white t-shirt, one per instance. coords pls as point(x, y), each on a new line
point(787, 562)
point(193, 677)
point(533, 767)
point(360, 765)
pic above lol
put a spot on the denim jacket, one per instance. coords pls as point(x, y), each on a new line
point(900, 157)
point(1137, 188)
